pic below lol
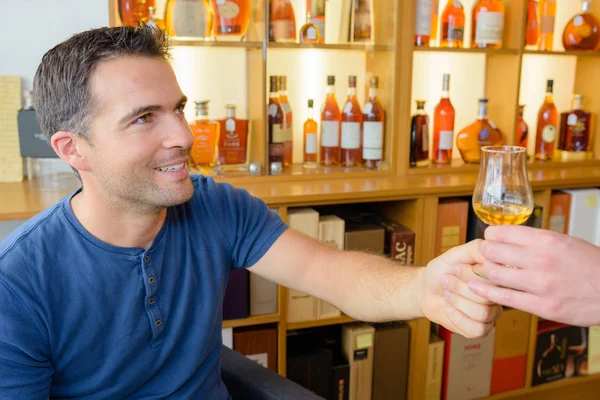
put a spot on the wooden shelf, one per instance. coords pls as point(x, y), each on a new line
point(251, 321)
point(331, 46)
point(320, 322)
point(562, 53)
point(465, 50)
point(555, 390)
point(195, 42)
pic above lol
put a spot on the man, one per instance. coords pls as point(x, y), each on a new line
point(557, 276)
point(116, 291)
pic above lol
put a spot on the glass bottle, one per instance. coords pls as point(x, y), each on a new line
point(330, 126)
point(576, 135)
point(433, 38)
point(131, 12)
point(362, 20)
point(423, 23)
point(351, 128)
point(288, 152)
point(309, 33)
point(154, 22)
point(488, 24)
point(310, 137)
point(317, 13)
point(231, 19)
point(419, 137)
point(282, 21)
point(373, 128)
point(532, 28)
point(443, 126)
point(277, 134)
point(206, 131)
point(188, 18)
point(547, 12)
point(234, 141)
point(453, 24)
point(522, 128)
point(482, 132)
point(582, 32)
point(547, 126)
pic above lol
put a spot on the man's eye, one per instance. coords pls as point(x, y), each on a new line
point(180, 109)
point(144, 119)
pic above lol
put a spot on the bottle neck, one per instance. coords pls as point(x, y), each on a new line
point(586, 6)
point(372, 93)
point(283, 94)
point(311, 112)
point(576, 104)
point(549, 97)
point(330, 89)
point(445, 94)
point(482, 111)
point(351, 92)
point(273, 95)
point(230, 113)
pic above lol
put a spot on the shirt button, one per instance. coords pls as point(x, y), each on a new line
point(151, 280)
point(151, 300)
point(147, 259)
point(158, 322)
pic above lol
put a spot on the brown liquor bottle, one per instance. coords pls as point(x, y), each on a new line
point(310, 137)
point(423, 23)
point(419, 137)
point(288, 154)
point(453, 24)
point(522, 128)
point(204, 151)
point(547, 11)
point(583, 30)
point(276, 128)
point(231, 19)
point(309, 33)
point(330, 126)
point(234, 142)
point(488, 24)
point(547, 126)
point(576, 136)
point(351, 128)
point(282, 21)
point(482, 132)
point(373, 128)
point(532, 28)
point(443, 126)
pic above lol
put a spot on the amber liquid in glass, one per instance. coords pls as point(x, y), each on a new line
point(231, 18)
point(482, 132)
point(504, 214)
point(351, 128)
point(547, 126)
point(330, 126)
point(532, 29)
point(282, 21)
point(453, 24)
point(310, 137)
point(582, 31)
point(522, 129)
point(373, 128)
point(443, 126)
point(132, 12)
point(419, 137)
point(488, 24)
point(204, 150)
point(277, 132)
point(547, 12)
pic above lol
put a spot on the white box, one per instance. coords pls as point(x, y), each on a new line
point(584, 218)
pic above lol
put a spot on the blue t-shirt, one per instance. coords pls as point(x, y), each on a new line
point(80, 318)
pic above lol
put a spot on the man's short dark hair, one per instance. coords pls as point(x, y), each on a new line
point(61, 86)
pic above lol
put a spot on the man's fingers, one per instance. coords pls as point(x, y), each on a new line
point(465, 325)
point(507, 254)
point(515, 234)
point(475, 311)
point(526, 280)
point(507, 297)
point(469, 253)
point(459, 286)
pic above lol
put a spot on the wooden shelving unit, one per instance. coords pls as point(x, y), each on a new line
point(408, 195)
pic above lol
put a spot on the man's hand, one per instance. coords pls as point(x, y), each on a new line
point(558, 276)
point(447, 300)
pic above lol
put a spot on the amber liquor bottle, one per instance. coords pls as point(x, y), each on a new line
point(522, 128)
point(351, 127)
point(288, 115)
point(231, 19)
point(330, 126)
point(419, 137)
point(488, 24)
point(373, 128)
point(583, 30)
point(204, 151)
point(532, 31)
point(309, 33)
point(282, 21)
point(276, 127)
point(547, 126)
point(547, 12)
point(443, 126)
point(482, 132)
point(423, 23)
point(234, 142)
point(453, 24)
point(576, 139)
point(310, 137)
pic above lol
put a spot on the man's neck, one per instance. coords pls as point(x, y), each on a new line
point(115, 225)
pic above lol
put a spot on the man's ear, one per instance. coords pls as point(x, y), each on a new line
point(72, 149)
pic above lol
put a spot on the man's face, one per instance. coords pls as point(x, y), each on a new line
point(140, 137)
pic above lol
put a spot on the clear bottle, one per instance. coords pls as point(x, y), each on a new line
point(582, 32)
point(482, 132)
point(443, 126)
point(547, 126)
point(488, 24)
point(419, 137)
point(310, 137)
point(234, 141)
point(373, 128)
point(204, 152)
point(330, 126)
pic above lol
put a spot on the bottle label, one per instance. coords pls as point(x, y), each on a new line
point(435, 7)
point(350, 135)
point(572, 119)
point(490, 27)
point(549, 133)
point(347, 108)
point(311, 143)
point(320, 24)
point(425, 138)
point(547, 24)
point(456, 33)
point(423, 19)
point(228, 10)
point(446, 140)
point(578, 20)
point(330, 134)
point(273, 109)
point(279, 134)
point(282, 29)
point(311, 33)
point(230, 125)
point(372, 140)
point(457, 3)
point(189, 18)
point(368, 108)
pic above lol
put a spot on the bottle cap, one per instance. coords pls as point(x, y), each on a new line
point(330, 80)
